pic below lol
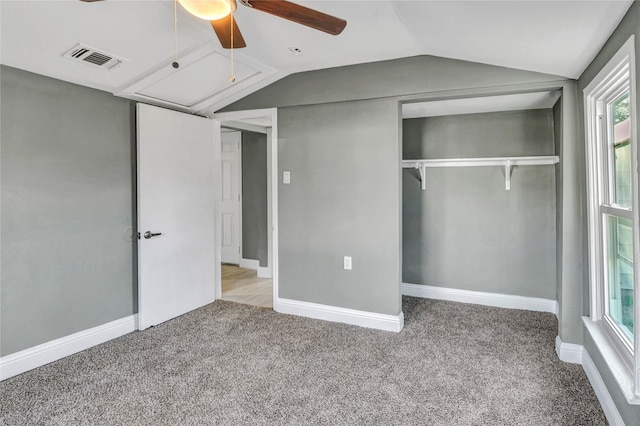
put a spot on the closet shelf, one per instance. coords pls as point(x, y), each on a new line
point(506, 162)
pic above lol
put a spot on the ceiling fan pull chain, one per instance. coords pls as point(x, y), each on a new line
point(232, 78)
point(175, 63)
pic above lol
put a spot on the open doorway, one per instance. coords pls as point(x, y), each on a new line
point(246, 209)
point(242, 285)
point(245, 273)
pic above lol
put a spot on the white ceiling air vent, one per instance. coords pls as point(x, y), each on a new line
point(89, 55)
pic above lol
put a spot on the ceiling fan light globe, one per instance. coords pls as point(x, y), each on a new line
point(211, 10)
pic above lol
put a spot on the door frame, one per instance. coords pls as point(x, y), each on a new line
point(272, 189)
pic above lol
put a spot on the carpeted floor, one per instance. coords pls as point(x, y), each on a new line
point(453, 364)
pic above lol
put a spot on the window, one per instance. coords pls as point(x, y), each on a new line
point(619, 242)
point(613, 218)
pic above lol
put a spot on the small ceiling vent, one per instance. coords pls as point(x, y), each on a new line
point(92, 56)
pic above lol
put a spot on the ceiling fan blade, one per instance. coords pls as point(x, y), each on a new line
point(222, 27)
point(89, 1)
point(299, 14)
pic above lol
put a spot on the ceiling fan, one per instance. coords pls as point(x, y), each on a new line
point(220, 14)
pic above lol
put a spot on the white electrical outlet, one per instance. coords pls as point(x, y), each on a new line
point(286, 177)
point(347, 262)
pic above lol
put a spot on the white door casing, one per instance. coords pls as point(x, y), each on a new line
point(265, 118)
point(177, 189)
point(231, 205)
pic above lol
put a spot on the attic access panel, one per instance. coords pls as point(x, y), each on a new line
point(199, 80)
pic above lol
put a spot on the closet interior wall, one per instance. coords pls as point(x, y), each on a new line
point(465, 231)
point(254, 198)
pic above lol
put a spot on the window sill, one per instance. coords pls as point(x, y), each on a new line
point(614, 360)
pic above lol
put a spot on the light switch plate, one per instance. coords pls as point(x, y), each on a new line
point(347, 262)
point(286, 177)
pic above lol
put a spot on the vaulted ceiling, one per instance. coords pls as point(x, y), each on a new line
point(554, 37)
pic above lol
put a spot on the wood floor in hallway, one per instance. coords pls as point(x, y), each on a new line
point(242, 285)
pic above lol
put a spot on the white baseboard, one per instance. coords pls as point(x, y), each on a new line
point(480, 298)
point(343, 315)
point(569, 352)
point(28, 359)
point(576, 354)
point(606, 401)
point(264, 272)
point(255, 265)
point(249, 264)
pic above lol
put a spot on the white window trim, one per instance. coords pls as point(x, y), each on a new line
point(622, 359)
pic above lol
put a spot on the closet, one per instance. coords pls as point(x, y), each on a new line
point(479, 193)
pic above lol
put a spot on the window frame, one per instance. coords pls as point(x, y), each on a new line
point(618, 76)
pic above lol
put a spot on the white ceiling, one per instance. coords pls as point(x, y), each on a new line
point(555, 37)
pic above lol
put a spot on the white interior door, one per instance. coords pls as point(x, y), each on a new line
point(176, 200)
point(231, 159)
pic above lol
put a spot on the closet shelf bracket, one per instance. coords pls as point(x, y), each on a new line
point(507, 162)
point(422, 169)
point(507, 175)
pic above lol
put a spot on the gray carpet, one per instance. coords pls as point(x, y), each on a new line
point(453, 364)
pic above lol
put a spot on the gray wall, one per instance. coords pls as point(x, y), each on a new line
point(384, 79)
point(67, 198)
point(254, 197)
point(572, 266)
point(557, 137)
point(342, 201)
point(630, 25)
point(465, 231)
point(340, 135)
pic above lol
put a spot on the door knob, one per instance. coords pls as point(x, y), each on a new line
point(150, 234)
